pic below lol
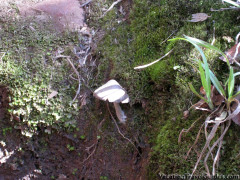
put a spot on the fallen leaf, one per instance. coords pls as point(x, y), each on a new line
point(199, 17)
point(232, 57)
point(202, 91)
point(217, 98)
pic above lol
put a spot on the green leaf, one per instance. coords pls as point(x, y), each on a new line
point(230, 83)
point(196, 93)
point(232, 3)
point(217, 84)
point(206, 45)
point(204, 81)
point(235, 95)
point(207, 80)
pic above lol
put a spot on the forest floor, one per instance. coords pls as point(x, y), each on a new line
point(94, 149)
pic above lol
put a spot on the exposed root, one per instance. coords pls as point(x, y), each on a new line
point(186, 131)
point(217, 122)
point(110, 8)
point(195, 142)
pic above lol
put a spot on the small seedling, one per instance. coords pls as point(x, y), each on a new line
point(70, 148)
point(82, 137)
point(103, 178)
point(74, 171)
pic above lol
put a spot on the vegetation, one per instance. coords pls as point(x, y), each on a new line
point(31, 70)
point(143, 39)
point(42, 89)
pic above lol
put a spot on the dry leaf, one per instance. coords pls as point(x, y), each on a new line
point(232, 55)
point(199, 17)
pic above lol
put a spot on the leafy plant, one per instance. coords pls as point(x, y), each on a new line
point(227, 113)
point(207, 76)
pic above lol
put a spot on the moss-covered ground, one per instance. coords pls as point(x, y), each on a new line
point(135, 33)
point(32, 71)
point(162, 90)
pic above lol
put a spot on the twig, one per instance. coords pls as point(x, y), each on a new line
point(120, 131)
point(79, 81)
point(223, 9)
point(168, 37)
point(147, 65)
point(86, 3)
point(110, 8)
point(2, 56)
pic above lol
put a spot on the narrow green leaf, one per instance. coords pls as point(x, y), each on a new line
point(235, 95)
point(204, 82)
point(196, 93)
point(206, 45)
point(217, 84)
point(230, 83)
point(235, 74)
point(209, 74)
point(232, 3)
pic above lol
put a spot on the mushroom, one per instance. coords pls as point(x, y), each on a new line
point(112, 91)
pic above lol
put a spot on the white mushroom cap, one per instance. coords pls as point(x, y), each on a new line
point(112, 91)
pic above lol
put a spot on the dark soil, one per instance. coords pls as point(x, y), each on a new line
point(50, 156)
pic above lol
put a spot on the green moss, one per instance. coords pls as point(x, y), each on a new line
point(31, 72)
point(141, 40)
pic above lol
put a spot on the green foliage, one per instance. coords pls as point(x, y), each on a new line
point(140, 40)
point(70, 148)
point(31, 72)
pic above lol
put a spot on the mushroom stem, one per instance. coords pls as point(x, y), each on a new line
point(120, 114)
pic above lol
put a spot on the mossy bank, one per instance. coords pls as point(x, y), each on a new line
point(32, 68)
point(161, 92)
